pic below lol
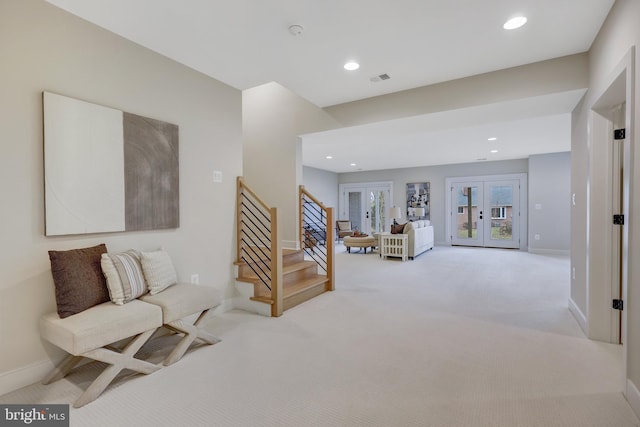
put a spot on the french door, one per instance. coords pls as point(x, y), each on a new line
point(485, 213)
point(366, 206)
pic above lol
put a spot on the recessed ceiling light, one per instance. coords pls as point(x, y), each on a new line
point(353, 164)
point(351, 66)
point(493, 138)
point(494, 151)
point(514, 23)
point(329, 157)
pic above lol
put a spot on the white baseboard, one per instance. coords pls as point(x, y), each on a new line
point(559, 252)
point(578, 315)
point(290, 244)
point(225, 305)
point(633, 397)
point(250, 306)
point(24, 376)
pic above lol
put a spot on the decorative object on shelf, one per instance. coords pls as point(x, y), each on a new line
point(418, 197)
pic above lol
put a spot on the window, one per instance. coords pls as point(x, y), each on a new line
point(499, 212)
point(460, 209)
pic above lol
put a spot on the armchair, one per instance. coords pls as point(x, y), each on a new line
point(343, 228)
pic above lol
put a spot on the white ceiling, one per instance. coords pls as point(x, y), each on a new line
point(246, 43)
point(525, 127)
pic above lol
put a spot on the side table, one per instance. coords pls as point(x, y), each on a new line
point(394, 245)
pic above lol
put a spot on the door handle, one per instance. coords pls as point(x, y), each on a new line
point(480, 217)
point(367, 215)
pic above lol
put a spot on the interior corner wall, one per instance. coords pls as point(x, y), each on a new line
point(436, 176)
point(549, 203)
point(579, 168)
point(44, 48)
point(272, 118)
point(619, 33)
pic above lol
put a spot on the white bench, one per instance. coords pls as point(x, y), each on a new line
point(92, 332)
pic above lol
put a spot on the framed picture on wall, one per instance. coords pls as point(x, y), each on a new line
point(418, 201)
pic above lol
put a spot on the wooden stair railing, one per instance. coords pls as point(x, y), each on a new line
point(282, 278)
point(258, 244)
point(317, 234)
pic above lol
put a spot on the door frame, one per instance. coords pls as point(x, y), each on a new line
point(523, 222)
point(599, 264)
point(344, 188)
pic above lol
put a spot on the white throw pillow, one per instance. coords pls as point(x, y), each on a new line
point(123, 272)
point(158, 271)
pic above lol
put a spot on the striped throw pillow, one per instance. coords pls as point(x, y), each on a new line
point(125, 280)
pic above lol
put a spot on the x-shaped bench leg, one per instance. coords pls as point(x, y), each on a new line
point(191, 333)
point(62, 369)
point(117, 361)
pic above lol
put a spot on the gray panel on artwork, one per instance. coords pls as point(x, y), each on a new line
point(151, 173)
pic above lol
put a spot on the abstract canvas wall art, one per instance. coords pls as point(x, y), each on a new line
point(107, 170)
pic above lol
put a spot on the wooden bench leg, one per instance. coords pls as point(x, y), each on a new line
point(191, 333)
point(118, 362)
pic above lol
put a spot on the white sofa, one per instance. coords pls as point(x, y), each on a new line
point(420, 237)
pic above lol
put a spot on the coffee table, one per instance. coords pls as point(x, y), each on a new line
point(359, 242)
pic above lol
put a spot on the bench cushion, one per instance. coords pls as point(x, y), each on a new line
point(103, 324)
point(183, 299)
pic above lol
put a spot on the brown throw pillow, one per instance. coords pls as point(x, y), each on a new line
point(78, 279)
point(397, 228)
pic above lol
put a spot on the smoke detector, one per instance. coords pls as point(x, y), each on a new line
point(295, 30)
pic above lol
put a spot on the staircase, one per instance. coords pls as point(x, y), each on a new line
point(270, 279)
point(300, 280)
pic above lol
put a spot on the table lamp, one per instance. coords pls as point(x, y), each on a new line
point(395, 213)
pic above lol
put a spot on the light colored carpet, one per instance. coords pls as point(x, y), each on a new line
point(457, 337)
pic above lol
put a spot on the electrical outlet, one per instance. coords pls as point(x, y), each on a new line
point(536, 237)
point(217, 176)
point(195, 279)
point(573, 273)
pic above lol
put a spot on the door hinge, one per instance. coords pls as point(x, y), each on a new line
point(618, 304)
point(619, 133)
point(618, 219)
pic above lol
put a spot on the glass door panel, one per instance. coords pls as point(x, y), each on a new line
point(355, 209)
point(467, 214)
point(502, 204)
point(377, 210)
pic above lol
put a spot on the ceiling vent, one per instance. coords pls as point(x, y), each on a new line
point(380, 78)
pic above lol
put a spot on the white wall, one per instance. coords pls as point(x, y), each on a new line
point(549, 203)
point(45, 48)
point(323, 185)
point(618, 35)
point(436, 175)
point(273, 117)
